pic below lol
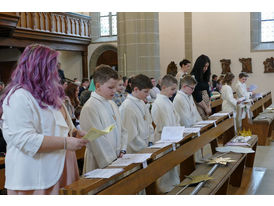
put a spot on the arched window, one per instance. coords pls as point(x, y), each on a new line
point(108, 24)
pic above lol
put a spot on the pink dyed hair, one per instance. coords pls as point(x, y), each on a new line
point(37, 73)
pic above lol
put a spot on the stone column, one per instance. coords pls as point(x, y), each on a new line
point(138, 43)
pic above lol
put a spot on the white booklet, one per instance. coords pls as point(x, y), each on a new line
point(103, 173)
point(128, 159)
point(172, 134)
point(159, 144)
point(220, 114)
point(192, 130)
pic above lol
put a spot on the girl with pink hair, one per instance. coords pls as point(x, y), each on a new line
point(40, 156)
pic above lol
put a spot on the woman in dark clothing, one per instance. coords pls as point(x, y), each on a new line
point(201, 94)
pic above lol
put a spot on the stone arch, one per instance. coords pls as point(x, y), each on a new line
point(96, 54)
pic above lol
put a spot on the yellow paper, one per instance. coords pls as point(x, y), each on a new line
point(196, 179)
point(221, 160)
point(94, 133)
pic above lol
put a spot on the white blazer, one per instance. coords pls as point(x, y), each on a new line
point(25, 124)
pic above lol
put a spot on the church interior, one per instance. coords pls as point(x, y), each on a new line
point(133, 43)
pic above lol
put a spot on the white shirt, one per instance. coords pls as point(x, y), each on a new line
point(138, 122)
point(153, 92)
point(186, 109)
point(241, 90)
point(100, 113)
point(24, 126)
point(229, 102)
point(163, 114)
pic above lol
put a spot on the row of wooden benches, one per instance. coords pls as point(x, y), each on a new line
point(134, 178)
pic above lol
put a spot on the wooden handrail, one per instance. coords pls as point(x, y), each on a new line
point(55, 22)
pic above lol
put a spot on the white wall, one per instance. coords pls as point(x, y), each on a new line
point(71, 63)
point(227, 35)
point(172, 39)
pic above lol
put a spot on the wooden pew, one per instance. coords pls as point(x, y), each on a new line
point(135, 178)
point(2, 172)
point(256, 108)
point(223, 175)
point(261, 127)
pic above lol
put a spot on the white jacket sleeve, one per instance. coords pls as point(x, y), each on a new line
point(18, 127)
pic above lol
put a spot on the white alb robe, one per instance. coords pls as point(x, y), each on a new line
point(100, 113)
point(241, 90)
point(189, 115)
point(229, 102)
point(164, 114)
point(138, 123)
point(186, 109)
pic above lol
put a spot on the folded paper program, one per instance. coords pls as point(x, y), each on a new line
point(236, 149)
point(94, 133)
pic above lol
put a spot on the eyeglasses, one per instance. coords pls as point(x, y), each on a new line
point(192, 88)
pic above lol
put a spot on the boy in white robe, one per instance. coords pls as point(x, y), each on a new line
point(240, 86)
point(184, 103)
point(100, 112)
point(187, 111)
point(135, 115)
point(164, 114)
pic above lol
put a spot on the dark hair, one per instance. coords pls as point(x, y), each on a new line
point(77, 112)
point(228, 78)
point(124, 78)
point(85, 80)
point(141, 81)
point(168, 80)
point(184, 62)
point(70, 92)
point(103, 73)
point(214, 75)
point(197, 70)
point(243, 74)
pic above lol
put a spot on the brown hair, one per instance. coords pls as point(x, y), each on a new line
point(141, 81)
point(70, 92)
point(172, 69)
point(168, 80)
point(228, 78)
point(187, 80)
point(103, 73)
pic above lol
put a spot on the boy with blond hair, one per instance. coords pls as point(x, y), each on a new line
point(184, 103)
point(100, 112)
point(164, 114)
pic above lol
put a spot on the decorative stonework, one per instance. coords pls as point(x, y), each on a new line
point(225, 65)
point(246, 65)
point(269, 65)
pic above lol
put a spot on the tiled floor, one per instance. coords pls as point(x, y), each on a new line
point(265, 159)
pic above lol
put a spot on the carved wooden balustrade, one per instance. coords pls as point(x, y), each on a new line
point(55, 22)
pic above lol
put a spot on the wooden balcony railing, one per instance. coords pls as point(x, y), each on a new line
point(55, 22)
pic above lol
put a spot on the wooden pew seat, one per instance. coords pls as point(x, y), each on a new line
point(2, 172)
point(263, 125)
point(223, 175)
